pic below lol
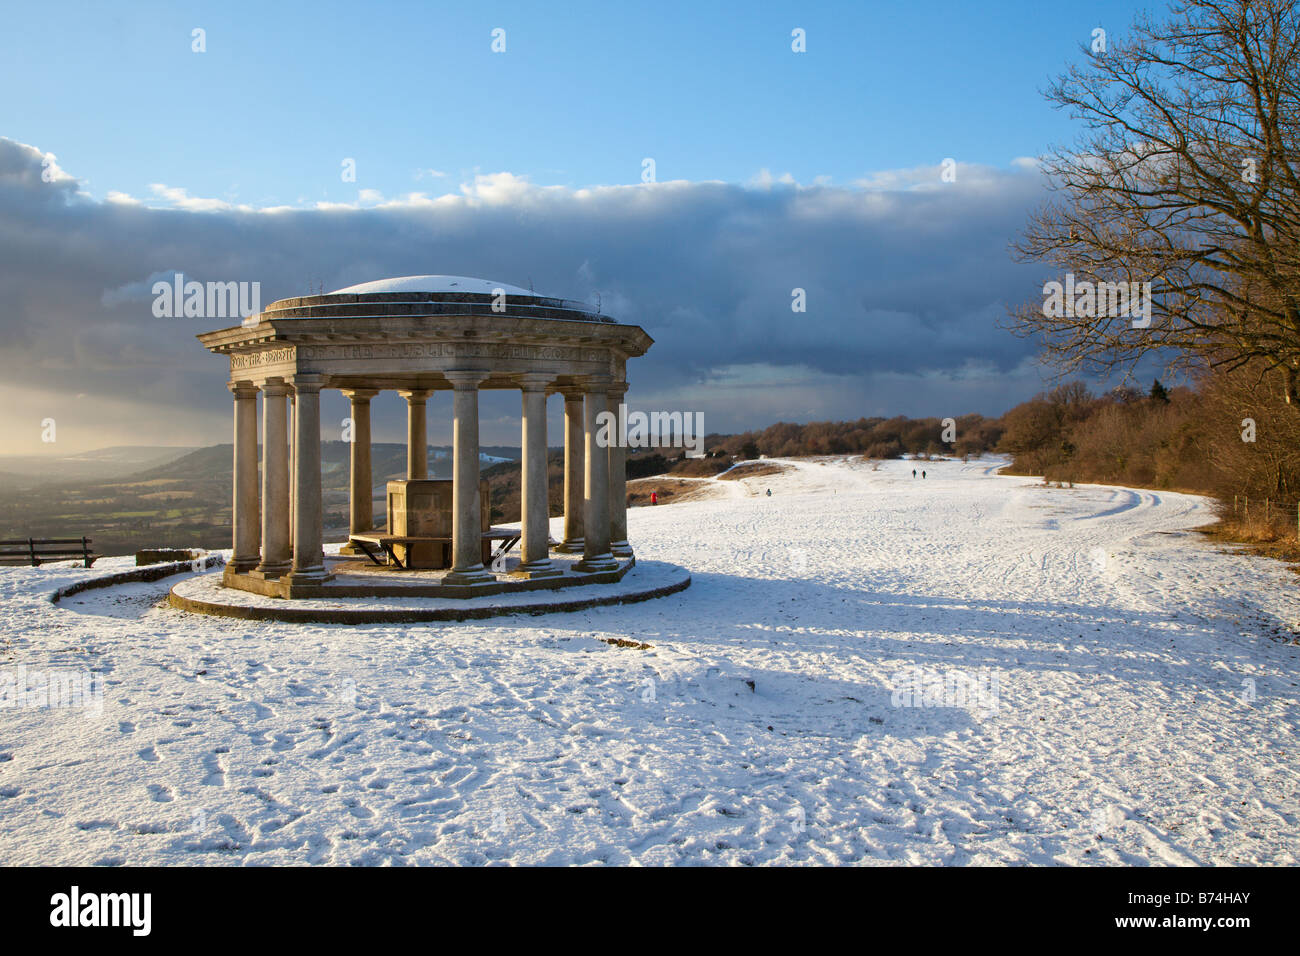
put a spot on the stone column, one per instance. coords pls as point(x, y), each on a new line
point(244, 513)
point(618, 544)
point(535, 554)
point(361, 512)
point(293, 443)
point(573, 472)
point(466, 530)
point(308, 555)
point(417, 432)
point(595, 538)
point(275, 482)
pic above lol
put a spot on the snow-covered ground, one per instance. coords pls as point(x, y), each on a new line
point(1135, 700)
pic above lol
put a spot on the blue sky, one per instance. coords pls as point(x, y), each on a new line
point(581, 95)
point(775, 170)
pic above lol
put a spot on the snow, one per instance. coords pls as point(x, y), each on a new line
point(434, 284)
point(644, 577)
point(1143, 705)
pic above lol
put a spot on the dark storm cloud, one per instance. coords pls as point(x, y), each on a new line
point(904, 276)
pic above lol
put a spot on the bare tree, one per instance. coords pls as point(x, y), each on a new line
point(1187, 176)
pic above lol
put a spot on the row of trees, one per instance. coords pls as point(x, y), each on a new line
point(872, 437)
point(1230, 433)
point(1124, 437)
point(1233, 436)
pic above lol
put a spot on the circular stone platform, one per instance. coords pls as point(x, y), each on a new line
point(205, 594)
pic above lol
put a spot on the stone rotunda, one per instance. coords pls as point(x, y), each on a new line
point(417, 335)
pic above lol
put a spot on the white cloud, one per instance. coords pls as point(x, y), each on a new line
point(51, 171)
point(498, 188)
point(181, 199)
point(763, 179)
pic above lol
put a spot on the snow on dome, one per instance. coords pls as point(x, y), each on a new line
point(433, 284)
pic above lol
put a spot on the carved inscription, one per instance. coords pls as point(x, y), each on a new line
point(258, 359)
point(539, 353)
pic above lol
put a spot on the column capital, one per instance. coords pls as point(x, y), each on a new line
point(417, 396)
point(308, 383)
point(616, 389)
point(535, 381)
point(243, 389)
point(276, 388)
point(597, 384)
point(464, 379)
point(360, 394)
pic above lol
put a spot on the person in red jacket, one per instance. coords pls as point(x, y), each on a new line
point(654, 497)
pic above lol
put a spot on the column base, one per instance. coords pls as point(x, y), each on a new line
point(537, 569)
point(597, 563)
point(570, 546)
point(469, 577)
point(242, 565)
point(269, 572)
point(307, 576)
point(620, 549)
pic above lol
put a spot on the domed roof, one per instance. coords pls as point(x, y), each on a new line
point(434, 284)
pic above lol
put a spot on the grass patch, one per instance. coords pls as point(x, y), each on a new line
point(669, 490)
point(1265, 540)
point(753, 469)
point(624, 642)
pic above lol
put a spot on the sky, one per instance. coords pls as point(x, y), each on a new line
point(127, 152)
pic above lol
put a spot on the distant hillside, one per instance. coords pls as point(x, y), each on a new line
point(127, 501)
point(103, 463)
point(387, 461)
point(181, 498)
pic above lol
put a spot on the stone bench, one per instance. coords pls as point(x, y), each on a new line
point(372, 544)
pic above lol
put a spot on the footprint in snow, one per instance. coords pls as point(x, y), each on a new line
point(162, 793)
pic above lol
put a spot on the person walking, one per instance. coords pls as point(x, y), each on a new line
point(923, 476)
point(913, 472)
point(654, 497)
